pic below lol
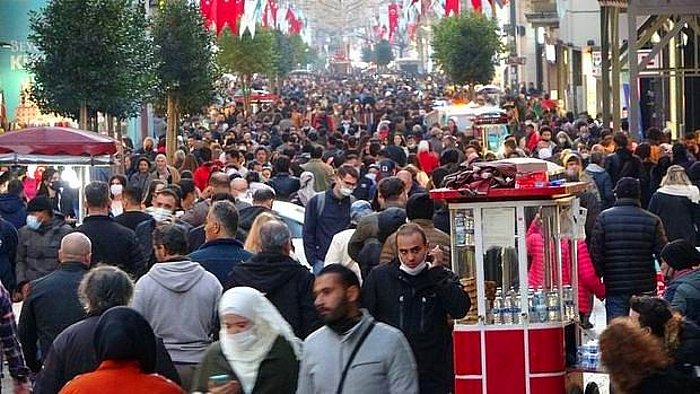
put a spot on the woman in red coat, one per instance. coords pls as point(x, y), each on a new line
point(428, 160)
point(126, 349)
point(588, 282)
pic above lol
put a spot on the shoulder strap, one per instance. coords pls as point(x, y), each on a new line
point(352, 356)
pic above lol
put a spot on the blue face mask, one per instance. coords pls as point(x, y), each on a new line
point(33, 222)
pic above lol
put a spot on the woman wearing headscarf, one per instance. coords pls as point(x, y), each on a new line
point(126, 350)
point(306, 191)
point(677, 203)
point(257, 351)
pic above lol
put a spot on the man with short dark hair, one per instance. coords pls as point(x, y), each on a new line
point(418, 298)
point(284, 183)
point(53, 302)
point(392, 194)
point(326, 214)
point(420, 210)
point(623, 163)
point(12, 204)
point(323, 173)
point(133, 214)
point(222, 251)
point(625, 244)
point(383, 362)
point(285, 282)
point(262, 202)
point(179, 299)
point(218, 183)
point(112, 243)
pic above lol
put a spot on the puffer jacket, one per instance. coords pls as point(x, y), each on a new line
point(625, 241)
point(587, 280)
point(37, 250)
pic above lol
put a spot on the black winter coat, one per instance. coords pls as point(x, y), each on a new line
point(419, 306)
point(73, 354)
point(285, 185)
point(51, 306)
point(679, 215)
point(687, 357)
point(624, 164)
point(246, 217)
point(625, 240)
point(114, 244)
point(286, 283)
point(13, 209)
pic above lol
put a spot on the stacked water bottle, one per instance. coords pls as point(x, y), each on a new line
point(543, 306)
point(588, 355)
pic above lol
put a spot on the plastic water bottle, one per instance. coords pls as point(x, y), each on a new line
point(540, 306)
point(498, 306)
point(460, 229)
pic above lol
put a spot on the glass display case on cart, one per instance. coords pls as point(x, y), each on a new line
point(517, 259)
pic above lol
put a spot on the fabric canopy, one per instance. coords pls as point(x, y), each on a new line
point(56, 141)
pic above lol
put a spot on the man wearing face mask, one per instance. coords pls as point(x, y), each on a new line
point(326, 214)
point(38, 244)
point(416, 297)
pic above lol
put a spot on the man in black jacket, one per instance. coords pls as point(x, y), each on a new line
point(417, 298)
point(625, 240)
point(285, 282)
point(73, 351)
point(53, 302)
point(112, 243)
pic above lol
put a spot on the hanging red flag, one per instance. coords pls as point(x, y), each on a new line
point(294, 23)
point(228, 13)
point(451, 7)
point(477, 6)
point(393, 19)
point(207, 8)
point(270, 14)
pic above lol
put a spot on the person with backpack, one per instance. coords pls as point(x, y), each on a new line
point(326, 214)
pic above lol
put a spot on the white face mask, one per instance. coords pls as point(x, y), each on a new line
point(159, 214)
point(116, 189)
point(346, 191)
point(240, 341)
point(33, 223)
point(413, 271)
point(371, 176)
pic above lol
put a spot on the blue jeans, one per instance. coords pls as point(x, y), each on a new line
point(317, 266)
point(617, 306)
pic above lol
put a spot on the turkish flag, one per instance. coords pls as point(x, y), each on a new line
point(477, 6)
point(228, 13)
point(270, 16)
point(393, 19)
point(294, 23)
point(452, 7)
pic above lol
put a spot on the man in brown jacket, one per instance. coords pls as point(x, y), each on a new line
point(419, 210)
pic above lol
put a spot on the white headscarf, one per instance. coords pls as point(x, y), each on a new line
point(268, 324)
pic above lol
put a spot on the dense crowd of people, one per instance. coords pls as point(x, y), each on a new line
point(182, 276)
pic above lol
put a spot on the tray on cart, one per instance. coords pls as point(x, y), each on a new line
point(550, 192)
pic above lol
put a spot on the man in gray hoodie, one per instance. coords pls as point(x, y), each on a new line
point(179, 299)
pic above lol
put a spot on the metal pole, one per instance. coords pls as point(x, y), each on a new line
point(605, 63)
point(514, 48)
point(633, 110)
point(615, 54)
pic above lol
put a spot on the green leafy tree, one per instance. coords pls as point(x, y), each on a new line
point(185, 65)
point(92, 56)
point(467, 47)
point(302, 53)
point(246, 56)
point(367, 54)
point(383, 53)
point(285, 54)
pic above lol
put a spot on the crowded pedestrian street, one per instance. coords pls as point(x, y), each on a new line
point(357, 196)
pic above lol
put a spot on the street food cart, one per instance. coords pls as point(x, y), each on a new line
point(520, 334)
